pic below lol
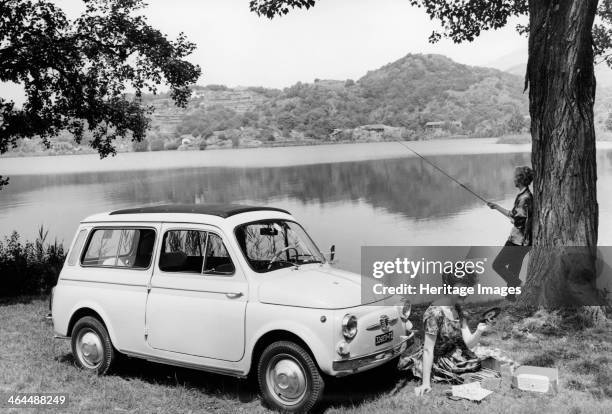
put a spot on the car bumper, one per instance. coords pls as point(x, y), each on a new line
point(352, 365)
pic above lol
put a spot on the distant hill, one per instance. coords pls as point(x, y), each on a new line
point(408, 93)
point(415, 97)
point(423, 88)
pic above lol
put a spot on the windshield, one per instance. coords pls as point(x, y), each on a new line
point(273, 244)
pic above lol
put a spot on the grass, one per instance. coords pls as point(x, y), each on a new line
point(32, 361)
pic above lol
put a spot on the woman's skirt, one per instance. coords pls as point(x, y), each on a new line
point(448, 368)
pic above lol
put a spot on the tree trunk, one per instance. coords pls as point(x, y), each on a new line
point(561, 82)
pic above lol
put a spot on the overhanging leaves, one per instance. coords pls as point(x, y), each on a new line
point(77, 74)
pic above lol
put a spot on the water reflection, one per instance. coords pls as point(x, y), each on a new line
point(401, 201)
point(406, 186)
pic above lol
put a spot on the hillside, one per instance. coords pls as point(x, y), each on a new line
point(423, 88)
point(416, 97)
point(406, 94)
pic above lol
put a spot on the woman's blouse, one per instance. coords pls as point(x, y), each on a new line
point(447, 331)
point(521, 216)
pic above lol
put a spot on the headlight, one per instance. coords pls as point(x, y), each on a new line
point(404, 310)
point(349, 326)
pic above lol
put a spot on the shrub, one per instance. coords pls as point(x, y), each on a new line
point(29, 268)
point(157, 144)
point(171, 146)
point(140, 146)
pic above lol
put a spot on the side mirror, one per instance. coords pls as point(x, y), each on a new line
point(332, 253)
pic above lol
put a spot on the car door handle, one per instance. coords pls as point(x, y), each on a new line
point(233, 295)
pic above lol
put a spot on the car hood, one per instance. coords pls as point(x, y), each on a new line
point(314, 286)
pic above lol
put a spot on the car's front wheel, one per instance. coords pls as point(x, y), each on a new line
point(91, 346)
point(288, 377)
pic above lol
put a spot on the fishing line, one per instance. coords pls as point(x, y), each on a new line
point(465, 187)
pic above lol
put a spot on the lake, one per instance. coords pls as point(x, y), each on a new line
point(349, 195)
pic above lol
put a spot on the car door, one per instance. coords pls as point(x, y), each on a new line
point(111, 275)
point(198, 295)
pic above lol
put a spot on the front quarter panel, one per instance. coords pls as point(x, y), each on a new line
point(302, 322)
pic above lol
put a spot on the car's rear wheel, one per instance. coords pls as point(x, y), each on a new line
point(288, 378)
point(91, 346)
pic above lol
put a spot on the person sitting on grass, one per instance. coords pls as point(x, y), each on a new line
point(446, 353)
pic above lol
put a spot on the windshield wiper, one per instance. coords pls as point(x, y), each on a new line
point(280, 261)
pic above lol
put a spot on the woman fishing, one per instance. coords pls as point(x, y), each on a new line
point(509, 261)
point(446, 353)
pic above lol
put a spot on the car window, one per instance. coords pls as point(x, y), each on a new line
point(218, 261)
point(130, 248)
point(76, 249)
point(193, 251)
point(183, 251)
point(270, 245)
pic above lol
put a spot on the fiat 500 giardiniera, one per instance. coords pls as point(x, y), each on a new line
point(232, 289)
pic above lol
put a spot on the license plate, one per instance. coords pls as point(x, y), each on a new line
point(384, 338)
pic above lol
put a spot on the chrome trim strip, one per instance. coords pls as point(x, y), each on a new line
point(56, 336)
point(195, 290)
point(167, 361)
point(376, 326)
point(103, 282)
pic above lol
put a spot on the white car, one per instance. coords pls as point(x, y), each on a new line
point(231, 289)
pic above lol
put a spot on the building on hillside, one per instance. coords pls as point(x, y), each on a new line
point(377, 132)
point(436, 126)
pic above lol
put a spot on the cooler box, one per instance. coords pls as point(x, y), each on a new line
point(537, 379)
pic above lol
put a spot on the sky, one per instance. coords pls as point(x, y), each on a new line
point(337, 39)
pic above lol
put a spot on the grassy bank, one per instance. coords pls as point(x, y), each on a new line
point(31, 361)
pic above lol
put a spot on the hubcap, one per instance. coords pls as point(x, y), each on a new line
point(286, 379)
point(89, 348)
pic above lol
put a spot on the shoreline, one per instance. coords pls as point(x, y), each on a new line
point(255, 157)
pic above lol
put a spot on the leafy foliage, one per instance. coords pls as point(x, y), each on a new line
point(465, 20)
point(460, 20)
point(205, 121)
point(76, 73)
point(602, 33)
point(271, 8)
point(31, 268)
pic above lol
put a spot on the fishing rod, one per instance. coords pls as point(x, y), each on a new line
point(443, 172)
